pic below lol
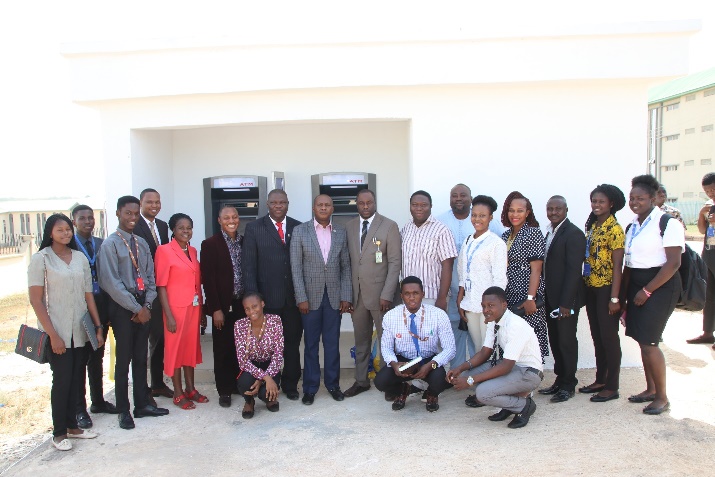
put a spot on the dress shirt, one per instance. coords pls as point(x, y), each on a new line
point(268, 348)
point(369, 223)
point(324, 238)
point(117, 273)
point(550, 232)
point(488, 268)
point(424, 249)
point(152, 228)
point(283, 226)
point(645, 248)
point(518, 340)
point(602, 241)
point(234, 250)
point(396, 338)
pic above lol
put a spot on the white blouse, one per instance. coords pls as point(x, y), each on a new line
point(488, 256)
point(645, 248)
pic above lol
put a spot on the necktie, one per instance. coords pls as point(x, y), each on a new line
point(280, 231)
point(364, 233)
point(413, 331)
point(153, 233)
point(496, 355)
point(90, 250)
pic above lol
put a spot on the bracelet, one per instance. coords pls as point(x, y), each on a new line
point(647, 293)
point(470, 364)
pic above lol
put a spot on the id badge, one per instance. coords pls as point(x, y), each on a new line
point(378, 257)
point(586, 269)
point(196, 301)
point(140, 284)
point(467, 284)
point(95, 288)
point(628, 260)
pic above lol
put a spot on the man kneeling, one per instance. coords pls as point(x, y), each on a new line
point(507, 368)
point(412, 332)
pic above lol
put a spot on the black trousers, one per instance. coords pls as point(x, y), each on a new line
point(224, 349)
point(604, 332)
point(564, 348)
point(94, 363)
point(387, 381)
point(709, 309)
point(67, 370)
point(156, 345)
point(292, 334)
point(246, 380)
point(132, 339)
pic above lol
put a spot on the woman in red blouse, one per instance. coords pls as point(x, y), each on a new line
point(259, 349)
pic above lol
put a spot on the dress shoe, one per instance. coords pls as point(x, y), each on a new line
point(390, 397)
point(522, 419)
point(273, 406)
point(106, 407)
point(562, 396)
point(125, 420)
point(654, 411)
point(597, 398)
point(83, 420)
point(292, 395)
point(702, 339)
point(163, 392)
point(399, 402)
point(641, 399)
point(553, 389)
point(308, 398)
point(224, 401)
point(471, 401)
point(500, 416)
point(432, 403)
point(337, 394)
point(590, 389)
point(355, 389)
point(150, 411)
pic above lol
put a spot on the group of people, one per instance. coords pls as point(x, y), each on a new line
point(458, 300)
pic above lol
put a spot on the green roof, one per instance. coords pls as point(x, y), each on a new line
point(679, 87)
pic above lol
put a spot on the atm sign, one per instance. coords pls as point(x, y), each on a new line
point(230, 182)
point(343, 179)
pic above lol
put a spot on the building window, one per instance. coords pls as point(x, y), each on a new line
point(706, 162)
point(672, 107)
point(39, 225)
point(22, 224)
point(12, 225)
point(688, 195)
point(690, 97)
point(672, 137)
point(4, 228)
point(670, 168)
point(689, 163)
point(709, 92)
point(706, 128)
point(44, 220)
point(690, 131)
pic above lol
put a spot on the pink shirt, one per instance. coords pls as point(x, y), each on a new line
point(324, 238)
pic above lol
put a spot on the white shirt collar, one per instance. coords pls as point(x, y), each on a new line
point(552, 229)
point(150, 223)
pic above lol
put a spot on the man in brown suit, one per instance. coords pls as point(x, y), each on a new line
point(375, 250)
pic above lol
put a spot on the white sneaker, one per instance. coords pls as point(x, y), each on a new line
point(63, 445)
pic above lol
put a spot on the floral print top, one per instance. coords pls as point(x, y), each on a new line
point(602, 241)
point(268, 348)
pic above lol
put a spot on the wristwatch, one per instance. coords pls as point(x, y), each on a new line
point(470, 381)
point(615, 300)
point(98, 327)
point(148, 306)
point(530, 297)
point(434, 365)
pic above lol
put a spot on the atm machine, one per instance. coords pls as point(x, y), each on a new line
point(247, 193)
point(342, 187)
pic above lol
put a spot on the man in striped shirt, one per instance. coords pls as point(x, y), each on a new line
point(428, 250)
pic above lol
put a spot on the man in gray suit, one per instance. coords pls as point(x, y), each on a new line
point(320, 265)
point(375, 248)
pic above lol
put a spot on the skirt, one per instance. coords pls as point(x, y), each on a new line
point(646, 323)
point(183, 347)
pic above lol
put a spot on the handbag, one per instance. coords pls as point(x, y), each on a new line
point(521, 312)
point(33, 343)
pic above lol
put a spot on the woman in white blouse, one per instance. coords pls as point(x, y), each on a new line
point(481, 264)
point(69, 297)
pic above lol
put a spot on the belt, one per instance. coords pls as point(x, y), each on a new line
point(535, 371)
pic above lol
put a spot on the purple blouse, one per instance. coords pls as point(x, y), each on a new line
point(268, 348)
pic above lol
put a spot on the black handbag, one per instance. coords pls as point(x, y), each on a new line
point(520, 311)
point(33, 344)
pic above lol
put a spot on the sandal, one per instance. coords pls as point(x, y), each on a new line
point(184, 403)
point(248, 409)
point(196, 396)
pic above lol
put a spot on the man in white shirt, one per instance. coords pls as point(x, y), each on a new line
point(507, 368)
point(415, 332)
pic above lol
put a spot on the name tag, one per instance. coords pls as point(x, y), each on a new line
point(586, 269)
point(196, 300)
point(95, 288)
point(378, 257)
point(467, 284)
point(140, 284)
point(629, 262)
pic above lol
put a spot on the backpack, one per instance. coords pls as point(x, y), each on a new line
point(692, 274)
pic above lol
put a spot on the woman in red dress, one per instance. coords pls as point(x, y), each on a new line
point(178, 284)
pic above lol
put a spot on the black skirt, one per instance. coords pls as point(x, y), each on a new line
point(646, 323)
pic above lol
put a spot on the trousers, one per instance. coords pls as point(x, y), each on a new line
point(502, 392)
point(363, 320)
point(387, 381)
point(67, 369)
point(325, 322)
point(224, 350)
point(132, 340)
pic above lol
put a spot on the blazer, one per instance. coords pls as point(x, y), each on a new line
point(217, 273)
point(374, 281)
point(265, 262)
point(142, 230)
point(311, 274)
point(563, 269)
point(180, 276)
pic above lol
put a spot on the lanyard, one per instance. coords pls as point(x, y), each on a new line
point(470, 253)
point(79, 241)
point(131, 254)
point(588, 241)
point(635, 233)
point(422, 322)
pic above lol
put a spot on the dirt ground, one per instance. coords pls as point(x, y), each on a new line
point(363, 436)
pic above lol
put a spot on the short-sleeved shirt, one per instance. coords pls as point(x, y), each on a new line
point(66, 286)
point(602, 241)
point(645, 248)
point(486, 259)
point(518, 340)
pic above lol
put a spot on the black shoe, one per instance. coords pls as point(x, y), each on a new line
point(471, 401)
point(597, 398)
point(399, 402)
point(308, 398)
point(125, 420)
point(224, 401)
point(106, 408)
point(553, 389)
point(292, 395)
point(522, 419)
point(337, 394)
point(355, 389)
point(654, 411)
point(150, 400)
point(83, 420)
point(248, 412)
point(500, 416)
point(273, 406)
point(150, 411)
point(432, 403)
point(562, 396)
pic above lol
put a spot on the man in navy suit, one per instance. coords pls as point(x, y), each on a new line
point(266, 269)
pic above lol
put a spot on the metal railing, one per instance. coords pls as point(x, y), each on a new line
point(10, 244)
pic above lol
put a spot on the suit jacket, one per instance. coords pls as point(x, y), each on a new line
point(374, 281)
point(564, 268)
point(217, 273)
point(180, 276)
point(142, 230)
point(311, 274)
point(265, 262)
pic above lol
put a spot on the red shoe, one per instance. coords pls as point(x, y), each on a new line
point(196, 396)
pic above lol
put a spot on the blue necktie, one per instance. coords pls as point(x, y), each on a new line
point(413, 330)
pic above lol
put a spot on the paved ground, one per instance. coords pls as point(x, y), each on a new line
point(363, 436)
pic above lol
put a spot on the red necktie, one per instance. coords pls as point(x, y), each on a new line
point(280, 231)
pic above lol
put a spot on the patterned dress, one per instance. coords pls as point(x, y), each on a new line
point(529, 244)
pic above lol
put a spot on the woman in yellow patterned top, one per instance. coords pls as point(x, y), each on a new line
point(602, 271)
